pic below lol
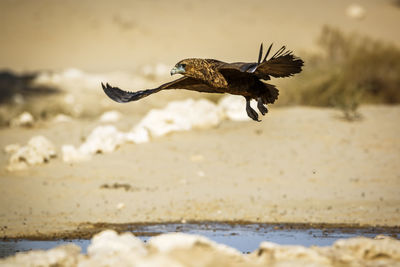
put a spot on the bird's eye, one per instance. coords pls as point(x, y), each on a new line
point(183, 65)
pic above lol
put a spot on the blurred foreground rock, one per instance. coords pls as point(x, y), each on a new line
point(38, 151)
point(177, 249)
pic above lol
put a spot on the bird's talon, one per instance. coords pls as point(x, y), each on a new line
point(260, 105)
point(251, 113)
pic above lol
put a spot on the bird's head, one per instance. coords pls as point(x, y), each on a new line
point(182, 67)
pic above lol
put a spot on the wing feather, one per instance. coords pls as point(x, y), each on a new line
point(122, 96)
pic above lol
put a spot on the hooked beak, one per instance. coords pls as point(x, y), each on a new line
point(178, 69)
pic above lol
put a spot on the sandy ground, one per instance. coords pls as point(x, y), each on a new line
point(298, 165)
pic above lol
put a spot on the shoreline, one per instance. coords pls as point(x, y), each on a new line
point(88, 230)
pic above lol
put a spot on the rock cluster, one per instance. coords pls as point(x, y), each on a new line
point(176, 116)
point(177, 249)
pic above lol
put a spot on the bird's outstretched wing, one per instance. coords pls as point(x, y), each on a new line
point(282, 64)
point(188, 83)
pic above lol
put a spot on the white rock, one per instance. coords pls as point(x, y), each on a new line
point(71, 154)
point(362, 248)
point(110, 116)
point(177, 249)
point(159, 260)
point(66, 255)
point(159, 123)
point(275, 252)
point(43, 147)
point(62, 118)
point(166, 243)
point(103, 139)
point(16, 164)
point(181, 116)
point(25, 155)
point(109, 243)
point(138, 135)
point(25, 119)
point(177, 116)
point(37, 151)
point(205, 114)
point(12, 148)
point(234, 107)
point(128, 260)
point(355, 11)
point(120, 206)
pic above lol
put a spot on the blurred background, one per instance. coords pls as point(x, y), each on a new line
point(351, 49)
point(333, 132)
point(123, 34)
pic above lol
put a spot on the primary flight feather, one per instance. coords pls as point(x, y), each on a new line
point(214, 76)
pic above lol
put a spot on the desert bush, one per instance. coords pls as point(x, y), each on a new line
point(349, 69)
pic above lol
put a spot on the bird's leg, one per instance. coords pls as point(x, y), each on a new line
point(260, 105)
point(250, 111)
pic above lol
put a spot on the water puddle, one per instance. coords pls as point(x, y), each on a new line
point(244, 237)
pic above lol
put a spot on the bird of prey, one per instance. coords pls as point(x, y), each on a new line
point(214, 76)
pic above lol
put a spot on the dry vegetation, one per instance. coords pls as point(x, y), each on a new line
point(349, 70)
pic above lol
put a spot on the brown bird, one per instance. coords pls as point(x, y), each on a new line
point(214, 76)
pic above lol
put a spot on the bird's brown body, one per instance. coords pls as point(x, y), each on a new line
point(214, 76)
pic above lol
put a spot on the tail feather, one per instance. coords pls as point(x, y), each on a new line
point(281, 64)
